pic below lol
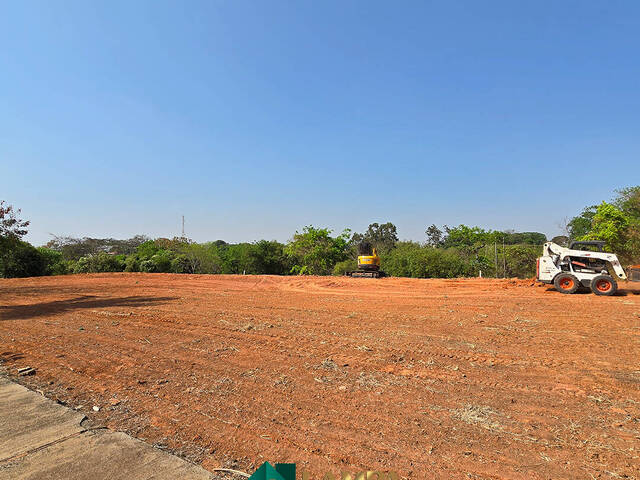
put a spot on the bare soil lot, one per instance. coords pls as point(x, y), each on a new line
point(465, 378)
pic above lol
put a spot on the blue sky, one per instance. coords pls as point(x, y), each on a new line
point(256, 118)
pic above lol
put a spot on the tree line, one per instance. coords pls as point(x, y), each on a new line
point(446, 252)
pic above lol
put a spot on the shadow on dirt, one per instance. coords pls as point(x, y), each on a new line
point(16, 312)
point(10, 357)
point(586, 291)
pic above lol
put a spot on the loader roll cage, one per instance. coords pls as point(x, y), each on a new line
point(598, 244)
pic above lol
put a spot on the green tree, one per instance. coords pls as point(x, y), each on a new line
point(10, 223)
point(611, 225)
point(383, 237)
point(580, 225)
point(201, 258)
point(315, 252)
point(19, 259)
point(100, 263)
point(523, 238)
point(341, 268)
point(465, 236)
point(520, 260)
point(238, 259)
point(54, 264)
point(132, 263)
point(147, 249)
point(561, 240)
point(269, 257)
point(410, 259)
point(628, 200)
point(180, 264)
point(434, 236)
point(74, 248)
point(162, 260)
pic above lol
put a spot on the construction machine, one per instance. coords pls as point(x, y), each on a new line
point(368, 262)
point(582, 265)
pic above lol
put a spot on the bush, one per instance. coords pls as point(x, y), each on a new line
point(150, 258)
point(410, 259)
point(147, 249)
point(100, 263)
point(158, 263)
point(148, 266)
point(345, 266)
point(201, 258)
point(181, 264)
point(237, 259)
point(316, 252)
point(20, 259)
point(521, 260)
point(132, 263)
point(54, 264)
point(268, 257)
point(162, 259)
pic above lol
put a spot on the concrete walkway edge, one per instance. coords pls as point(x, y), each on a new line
point(40, 439)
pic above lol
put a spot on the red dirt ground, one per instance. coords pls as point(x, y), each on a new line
point(470, 378)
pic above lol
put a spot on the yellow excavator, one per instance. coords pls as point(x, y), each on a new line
point(368, 263)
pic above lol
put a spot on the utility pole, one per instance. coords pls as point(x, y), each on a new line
point(495, 251)
point(504, 261)
point(182, 226)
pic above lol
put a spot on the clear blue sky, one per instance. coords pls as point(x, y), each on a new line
point(256, 118)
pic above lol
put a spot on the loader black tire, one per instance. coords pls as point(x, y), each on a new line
point(566, 283)
point(604, 285)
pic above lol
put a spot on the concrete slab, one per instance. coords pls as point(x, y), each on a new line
point(101, 455)
point(40, 439)
point(29, 420)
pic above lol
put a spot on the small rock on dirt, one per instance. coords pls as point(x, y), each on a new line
point(96, 408)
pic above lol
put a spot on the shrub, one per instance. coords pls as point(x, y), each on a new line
point(147, 249)
point(345, 266)
point(268, 257)
point(148, 266)
point(238, 259)
point(410, 259)
point(54, 264)
point(162, 259)
point(201, 258)
point(521, 260)
point(181, 264)
point(20, 259)
point(315, 251)
point(132, 263)
point(100, 263)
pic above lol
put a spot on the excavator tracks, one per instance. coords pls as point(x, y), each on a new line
point(363, 274)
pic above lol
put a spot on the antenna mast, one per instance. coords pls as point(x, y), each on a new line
point(182, 226)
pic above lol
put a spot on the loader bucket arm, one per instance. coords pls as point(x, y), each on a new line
point(617, 268)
